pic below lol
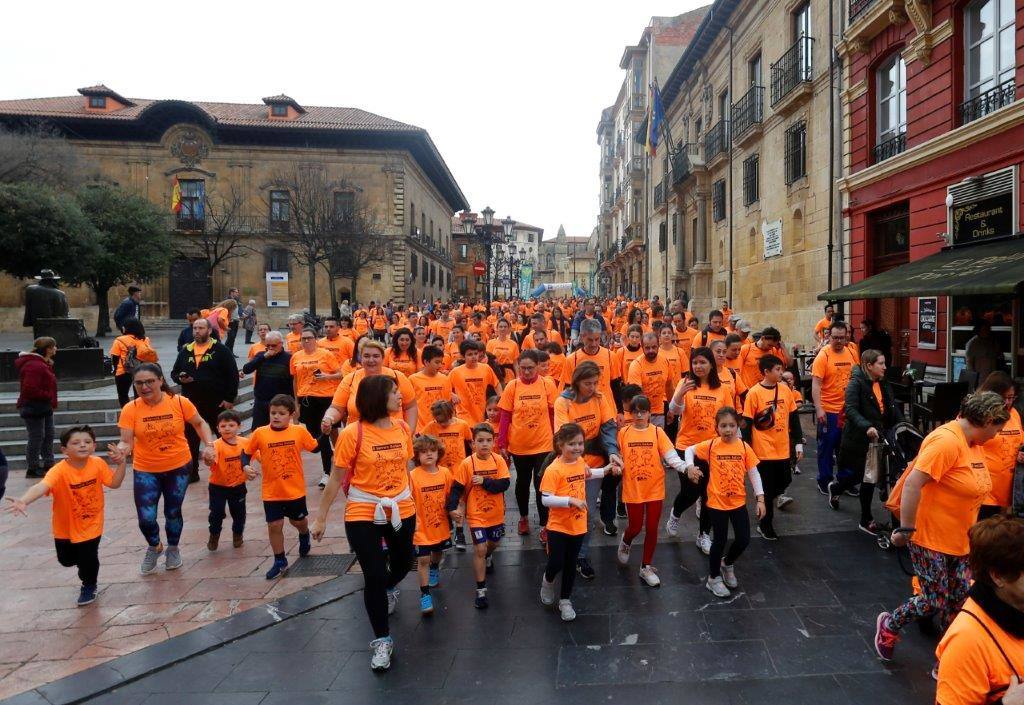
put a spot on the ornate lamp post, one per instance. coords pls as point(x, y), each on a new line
point(487, 234)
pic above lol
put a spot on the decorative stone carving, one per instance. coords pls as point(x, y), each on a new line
point(190, 148)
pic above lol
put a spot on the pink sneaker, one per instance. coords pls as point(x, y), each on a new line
point(885, 637)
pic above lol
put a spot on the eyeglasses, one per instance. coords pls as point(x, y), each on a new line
point(146, 382)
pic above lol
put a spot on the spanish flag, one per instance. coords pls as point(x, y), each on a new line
point(176, 196)
point(654, 120)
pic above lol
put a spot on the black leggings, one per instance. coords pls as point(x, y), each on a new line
point(124, 385)
point(562, 552)
point(381, 570)
point(775, 476)
point(84, 554)
point(527, 471)
point(311, 413)
point(720, 520)
point(690, 492)
point(849, 480)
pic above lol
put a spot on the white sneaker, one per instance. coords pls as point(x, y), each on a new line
point(650, 576)
point(547, 591)
point(623, 553)
point(323, 481)
point(729, 576)
point(382, 651)
point(704, 543)
point(696, 508)
point(392, 600)
point(717, 587)
point(782, 500)
point(796, 469)
point(566, 611)
point(672, 525)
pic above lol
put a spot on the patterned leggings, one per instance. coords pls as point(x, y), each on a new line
point(944, 580)
point(149, 486)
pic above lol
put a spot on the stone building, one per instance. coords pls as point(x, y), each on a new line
point(566, 259)
point(215, 149)
point(467, 250)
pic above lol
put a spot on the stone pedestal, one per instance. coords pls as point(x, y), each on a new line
point(68, 332)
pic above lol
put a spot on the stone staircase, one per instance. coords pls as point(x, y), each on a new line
point(100, 412)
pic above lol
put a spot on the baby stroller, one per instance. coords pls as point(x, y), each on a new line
point(896, 448)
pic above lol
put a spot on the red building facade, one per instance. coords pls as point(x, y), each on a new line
point(933, 152)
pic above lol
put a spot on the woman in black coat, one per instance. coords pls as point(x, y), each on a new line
point(870, 409)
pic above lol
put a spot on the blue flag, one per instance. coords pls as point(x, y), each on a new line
point(657, 116)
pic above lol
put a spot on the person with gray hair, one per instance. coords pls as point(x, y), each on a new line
point(275, 377)
point(292, 341)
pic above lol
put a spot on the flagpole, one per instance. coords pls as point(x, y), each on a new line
point(665, 127)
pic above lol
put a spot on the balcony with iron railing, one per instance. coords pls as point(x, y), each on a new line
point(684, 160)
point(867, 19)
point(984, 103)
point(856, 8)
point(716, 141)
point(747, 115)
point(637, 102)
point(792, 75)
point(636, 168)
point(889, 148)
point(659, 194)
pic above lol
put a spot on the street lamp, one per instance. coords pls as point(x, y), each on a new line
point(486, 233)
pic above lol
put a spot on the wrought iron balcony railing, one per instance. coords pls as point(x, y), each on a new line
point(987, 102)
point(890, 147)
point(747, 111)
point(716, 141)
point(793, 69)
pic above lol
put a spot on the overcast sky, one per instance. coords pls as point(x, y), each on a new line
point(510, 92)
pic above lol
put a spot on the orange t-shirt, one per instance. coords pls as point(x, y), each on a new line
point(144, 351)
point(820, 327)
point(454, 436)
point(972, 669)
point(773, 443)
point(731, 378)
point(505, 352)
point(345, 394)
point(590, 415)
point(531, 406)
point(698, 421)
point(360, 325)
point(442, 328)
point(604, 359)
point(685, 340)
point(655, 378)
point(226, 470)
point(255, 349)
point(407, 363)
point(78, 498)
point(471, 386)
point(643, 477)
point(728, 464)
point(293, 342)
point(553, 337)
point(304, 365)
point(834, 370)
point(949, 505)
point(750, 357)
point(341, 347)
point(281, 460)
point(380, 322)
point(483, 509)
point(380, 469)
point(678, 362)
point(555, 365)
point(159, 430)
point(430, 494)
point(428, 389)
point(563, 479)
point(1001, 458)
point(626, 356)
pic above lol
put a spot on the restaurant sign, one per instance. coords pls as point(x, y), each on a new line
point(982, 219)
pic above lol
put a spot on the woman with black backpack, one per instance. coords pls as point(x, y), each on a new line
point(127, 352)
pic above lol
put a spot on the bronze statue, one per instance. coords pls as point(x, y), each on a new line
point(45, 299)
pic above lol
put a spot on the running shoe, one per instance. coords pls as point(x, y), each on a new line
point(87, 595)
point(584, 568)
point(544, 535)
point(767, 533)
point(304, 545)
point(782, 500)
point(323, 481)
point(610, 529)
point(524, 526)
point(823, 490)
point(935, 672)
point(172, 559)
point(717, 587)
point(392, 600)
point(649, 575)
point(279, 568)
point(623, 553)
point(853, 492)
point(729, 576)
point(149, 560)
point(433, 577)
point(460, 539)
point(872, 528)
point(426, 604)
point(566, 611)
point(547, 591)
point(481, 602)
point(834, 494)
point(672, 525)
point(885, 636)
point(796, 469)
point(383, 649)
point(620, 510)
point(704, 543)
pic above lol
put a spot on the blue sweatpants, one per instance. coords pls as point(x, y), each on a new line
point(828, 441)
point(149, 487)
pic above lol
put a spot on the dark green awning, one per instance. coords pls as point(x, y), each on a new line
point(993, 268)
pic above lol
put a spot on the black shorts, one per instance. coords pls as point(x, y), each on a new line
point(435, 548)
point(492, 534)
point(277, 509)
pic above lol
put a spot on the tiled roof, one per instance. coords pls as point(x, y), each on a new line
point(100, 90)
point(281, 98)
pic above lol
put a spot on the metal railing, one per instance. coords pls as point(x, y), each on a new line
point(857, 7)
point(659, 194)
point(889, 148)
point(682, 166)
point(638, 100)
point(792, 69)
point(716, 141)
point(189, 223)
point(987, 102)
point(747, 111)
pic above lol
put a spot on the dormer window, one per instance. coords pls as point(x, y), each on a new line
point(98, 102)
point(283, 107)
point(99, 98)
point(279, 110)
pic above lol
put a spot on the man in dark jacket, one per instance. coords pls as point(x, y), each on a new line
point(273, 376)
point(131, 307)
point(208, 376)
point(873, 338)
point(185, 336)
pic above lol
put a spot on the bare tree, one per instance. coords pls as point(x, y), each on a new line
point(37, 154)
point(226, 231)
point(361, 241)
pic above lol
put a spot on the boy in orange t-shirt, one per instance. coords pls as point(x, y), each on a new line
point(470, 382)
point(430, 485)
point(280, 447)
point(227, 480)
point(478, 495)
point(76, 485)
point(452, 431)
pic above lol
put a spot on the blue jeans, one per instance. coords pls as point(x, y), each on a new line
point(828, 441)
point(149, 487)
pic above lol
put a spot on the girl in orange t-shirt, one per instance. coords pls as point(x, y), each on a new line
point(728, 459)
point(431, 485)
point(563, 491)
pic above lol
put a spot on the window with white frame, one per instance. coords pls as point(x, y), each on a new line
point(989, 57)
point(891, 107)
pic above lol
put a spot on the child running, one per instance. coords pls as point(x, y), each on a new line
point(644, 448)
point(280, 447)
point(227, 480)
point(478, 495)
point(76, 484)
point(728, 458)
point(452, 431)
point(563, 490)
point(431, 485)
